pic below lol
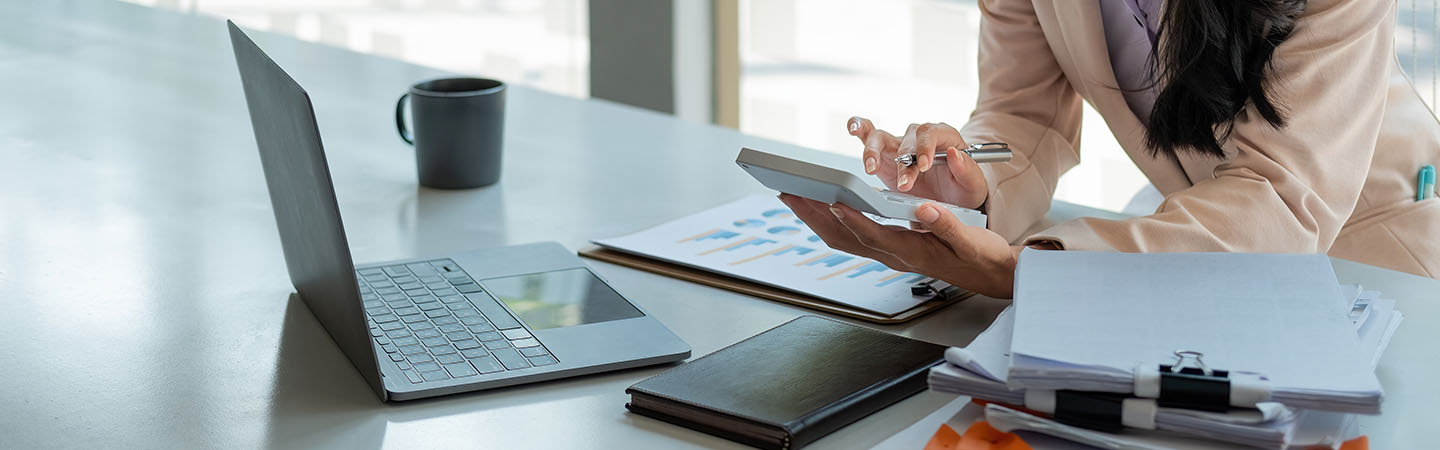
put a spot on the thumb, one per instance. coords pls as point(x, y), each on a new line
point(967, 173)
point(940, 221)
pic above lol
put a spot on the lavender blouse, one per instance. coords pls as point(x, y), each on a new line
point(1129, 36)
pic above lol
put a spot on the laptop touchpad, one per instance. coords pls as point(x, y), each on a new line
point(560, 298)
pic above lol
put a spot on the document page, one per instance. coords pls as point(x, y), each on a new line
point(1271, 314)
point(758, 239)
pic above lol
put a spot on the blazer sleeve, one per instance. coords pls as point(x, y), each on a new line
point(1288, 189)
point(1025, 100)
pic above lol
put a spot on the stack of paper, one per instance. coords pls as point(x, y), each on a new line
point(1090, 320)
point(981, 370)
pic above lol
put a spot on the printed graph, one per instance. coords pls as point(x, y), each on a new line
point(712, 234)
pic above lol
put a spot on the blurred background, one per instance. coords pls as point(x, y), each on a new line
point(790, 70)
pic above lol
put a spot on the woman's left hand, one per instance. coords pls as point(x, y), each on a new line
point(972, 258)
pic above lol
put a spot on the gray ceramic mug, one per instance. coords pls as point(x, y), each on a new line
point(457, 131)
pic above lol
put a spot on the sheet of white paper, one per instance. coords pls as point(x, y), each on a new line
point(988, 355)
point(1273, 314)
point(758, 239)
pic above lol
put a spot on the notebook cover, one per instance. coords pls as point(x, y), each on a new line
point(766, 292)
point(807, 377)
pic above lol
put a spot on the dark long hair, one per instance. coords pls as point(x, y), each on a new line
point(1212, 59)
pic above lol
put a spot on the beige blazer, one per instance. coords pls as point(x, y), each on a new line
point(1339, 179)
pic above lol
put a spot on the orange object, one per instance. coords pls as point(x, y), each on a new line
point(980, 436)
point(1359, 443)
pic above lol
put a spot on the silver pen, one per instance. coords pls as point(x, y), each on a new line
point(985, 152)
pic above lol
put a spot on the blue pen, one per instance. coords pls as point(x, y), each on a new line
point(1427, 183)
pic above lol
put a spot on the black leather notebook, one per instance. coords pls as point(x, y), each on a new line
point(790, 385)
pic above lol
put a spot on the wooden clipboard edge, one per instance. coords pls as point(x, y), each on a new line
point(758, 290)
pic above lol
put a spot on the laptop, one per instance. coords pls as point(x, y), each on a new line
point(433, 326)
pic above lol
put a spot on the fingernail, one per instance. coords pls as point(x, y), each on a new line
point(869, 165)
point(837, 212)
point(854, 126)
point(927, 214)
point(904, 179)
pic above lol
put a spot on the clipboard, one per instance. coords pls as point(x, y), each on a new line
point(712, 279)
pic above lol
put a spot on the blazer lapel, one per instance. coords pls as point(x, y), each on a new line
point(1083, 35)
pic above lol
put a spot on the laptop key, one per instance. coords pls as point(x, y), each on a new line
point(458, 336)
point(407, 340)
point(374, 304)
point(449, 299)
point(532, 351)
point(388, 326)
point(424, 299)
point(447, 320)
point(403, 279)
point(398, 296)
point(487, 364)
point(417, 326)
point(436, 314)
point(511, 359)
point(525, 343)
point(387, 291)
point(420, 358)
point(450, 327)
point(467, 312)
point(461, 369)
point(413, 318)
point(490, 336)
point(444, 292)
point(449, 358)
point(434, 341)
point(469, 288)
point(516, 333)
point(411, 285)
point(467, 344)
point(371, 271)
point(460, 279)
point(427, 279)
point(543, 360)
point(443, 350)
point(412, 349)
point(496, 345)
point(427, 367)
point(396, 357)
point(376, 331)
point(428, 333)
point(480, 327)
point(475, 353)
point(387, 317)
point(431, 306)
point(417, 291)
point(402, 363)
point(378, 310)
point(413, 376)
point(434, 376)
point(397, 333)
point(396, 270)
point(382, 340)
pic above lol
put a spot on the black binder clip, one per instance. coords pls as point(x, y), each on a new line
point(1197, 387)
point(1097, 411)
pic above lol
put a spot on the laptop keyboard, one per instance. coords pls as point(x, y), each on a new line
point(436, 323)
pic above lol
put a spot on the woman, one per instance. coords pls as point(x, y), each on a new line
point(1269, 126)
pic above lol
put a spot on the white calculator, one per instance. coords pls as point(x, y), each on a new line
point(829, 185)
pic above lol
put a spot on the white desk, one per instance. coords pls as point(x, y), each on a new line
point(145, 301)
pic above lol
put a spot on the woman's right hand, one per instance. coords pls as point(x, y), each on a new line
point(959, 183)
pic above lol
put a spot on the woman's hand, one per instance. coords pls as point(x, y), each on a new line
point(972, 258)
point(960, 183)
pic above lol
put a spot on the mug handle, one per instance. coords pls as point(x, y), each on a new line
point(400, 120)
